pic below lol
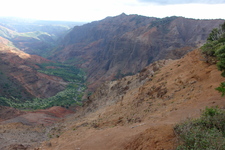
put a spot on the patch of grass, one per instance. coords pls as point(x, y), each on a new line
point(205, 133)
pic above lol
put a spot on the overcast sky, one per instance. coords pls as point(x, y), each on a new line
point(91, 10)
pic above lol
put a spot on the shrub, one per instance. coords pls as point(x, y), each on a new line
point(221, 88)
point(214, 51)
point(205, 133)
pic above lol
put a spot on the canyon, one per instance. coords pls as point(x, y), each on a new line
point(143, 75)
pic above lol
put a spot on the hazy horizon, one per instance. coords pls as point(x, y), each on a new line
point(87, 10)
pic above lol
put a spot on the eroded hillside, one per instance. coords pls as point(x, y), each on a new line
point(139, 112)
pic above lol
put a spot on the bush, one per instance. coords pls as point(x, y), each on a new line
point(221, 88)
point(205, 133)
point(214, 51)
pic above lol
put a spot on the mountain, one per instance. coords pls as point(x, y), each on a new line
point(124, 44)
point(140, 111)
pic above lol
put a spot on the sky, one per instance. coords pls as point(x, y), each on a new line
point(92, 10)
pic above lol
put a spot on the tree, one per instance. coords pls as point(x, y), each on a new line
point(215, 47)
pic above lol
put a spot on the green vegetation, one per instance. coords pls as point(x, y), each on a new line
point(4, 101)
point(66, 71)
point(71, 96)
point(214, 51)
point(221, 88)
point(205, 133)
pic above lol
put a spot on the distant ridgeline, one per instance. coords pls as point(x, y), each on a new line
point(34, 36)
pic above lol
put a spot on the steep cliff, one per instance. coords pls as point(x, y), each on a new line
point(124, 44)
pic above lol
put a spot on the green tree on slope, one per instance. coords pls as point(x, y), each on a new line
point(215, 47)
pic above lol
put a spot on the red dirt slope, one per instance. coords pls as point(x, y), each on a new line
point(142, 115)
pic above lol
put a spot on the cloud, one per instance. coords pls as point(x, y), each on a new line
point(170, 2)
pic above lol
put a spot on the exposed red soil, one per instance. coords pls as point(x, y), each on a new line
point(44, 117)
